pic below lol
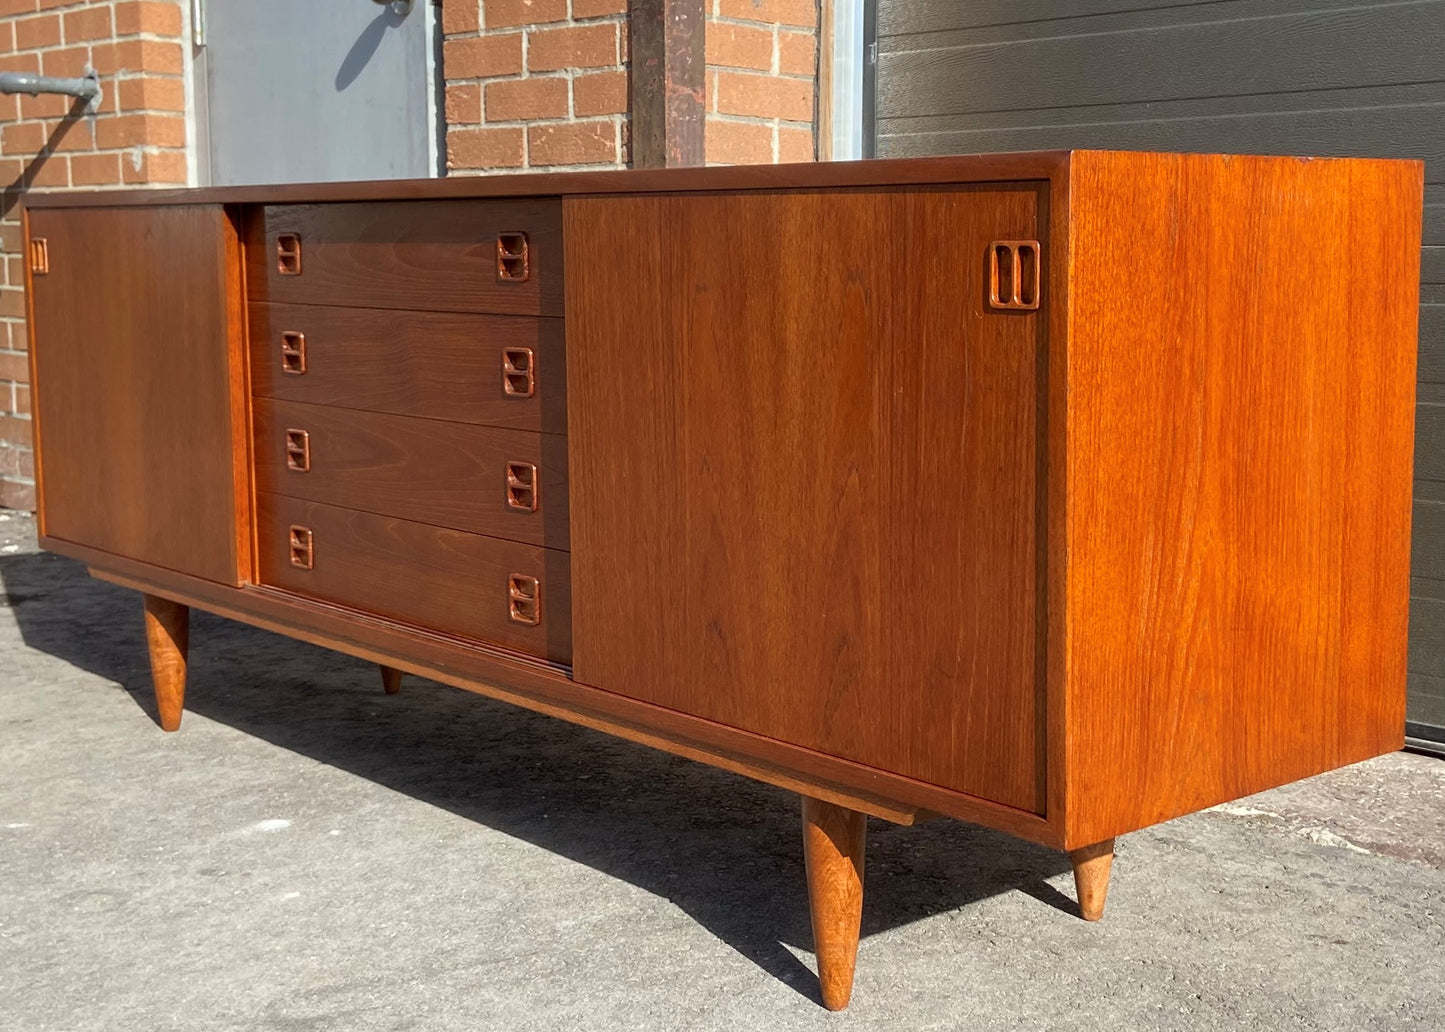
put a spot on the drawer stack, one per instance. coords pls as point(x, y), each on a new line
point(409, 410)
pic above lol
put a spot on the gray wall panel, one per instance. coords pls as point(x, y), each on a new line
point(1429, 546)
point(1285, 53)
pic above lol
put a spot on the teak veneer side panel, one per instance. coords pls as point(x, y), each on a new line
point(138, 385)
point(1241, 410)
point(804, 472)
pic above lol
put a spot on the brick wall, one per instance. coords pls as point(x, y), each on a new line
point(535, 84)
point(137, 138)
point(762, 59)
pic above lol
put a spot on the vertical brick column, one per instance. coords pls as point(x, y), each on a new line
point(535, 84)
point(136, 138)
point(762, 63)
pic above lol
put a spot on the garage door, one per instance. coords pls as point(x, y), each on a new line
point(1325, 77)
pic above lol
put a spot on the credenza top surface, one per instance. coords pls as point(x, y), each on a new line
point(873, 172)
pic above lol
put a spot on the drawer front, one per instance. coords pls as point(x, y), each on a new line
point(502, 257)
point(503, 593)
point(472, 478)
point(507, 371)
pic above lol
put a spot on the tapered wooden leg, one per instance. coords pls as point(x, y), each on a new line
point(833, 839)
point(1091, 877)
point(390, 679)
point(168, 633)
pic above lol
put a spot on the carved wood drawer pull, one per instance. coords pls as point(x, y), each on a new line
point(288, 254)
point(303, 557)
point(519, 372)
point(1013, 275)
point(298, 451)
point(524, 599)
point(293, 352)
point(522, 489)
point(513, 262)
point(39, 256)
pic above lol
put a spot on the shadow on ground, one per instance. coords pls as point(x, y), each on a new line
point(724, 849)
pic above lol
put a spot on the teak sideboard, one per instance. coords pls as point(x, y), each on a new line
point(1062, 493)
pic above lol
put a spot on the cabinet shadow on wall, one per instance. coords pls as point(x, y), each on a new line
point(723, 848)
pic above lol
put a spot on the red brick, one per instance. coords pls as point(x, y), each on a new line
point(15, 495)
point(464, 104)
point(461, 16)
point(483, 57)
point(23, 138)
point(137, 55)
point(52, 171)
point(597, 8)
point(151, 93)
point(499, 13)
point(140, 130)
point(7, 37)
point(42, 30)
point(14, 430)
point(737, 143)
point(740, 46)
point(796, 145)
point(797, 53)
point(15, 365)
point(47, 105)
point(166, 166)
point(20, 63)
point(95, 170)
point(9, 7)
point(764, 96)
point(572, 143)
point(577, 46)
point(10, 236)
point(17, 463)
point(602, 93)
point(22, 400)
point(513, 100)
point(87, 23)
point(72, 134)
point(148, 16)
point(46, 5)
point(485, 148)
point(782, 12)
point(70, 61)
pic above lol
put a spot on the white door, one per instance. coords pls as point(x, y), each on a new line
point(299, 91)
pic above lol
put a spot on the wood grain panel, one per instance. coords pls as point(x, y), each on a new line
point(806, 491)
point(425, 255)
point(438, 365)
point(1241, 392)
point(447, 474)
point(427, 576)
point(139, 386)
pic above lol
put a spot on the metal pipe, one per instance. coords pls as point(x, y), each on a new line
point(87, 87)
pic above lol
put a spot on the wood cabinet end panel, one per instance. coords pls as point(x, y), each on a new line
point(1239, 447)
